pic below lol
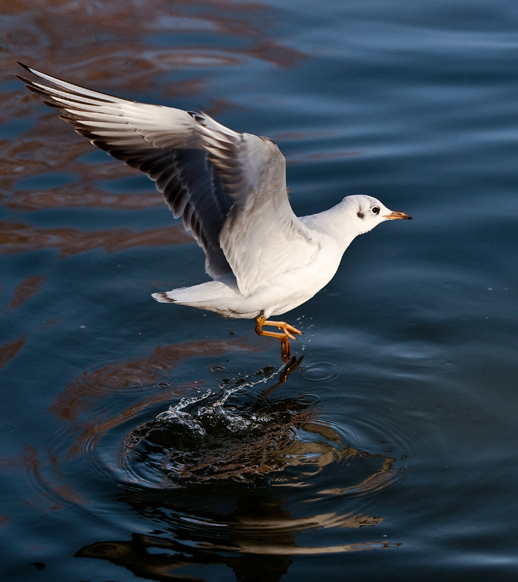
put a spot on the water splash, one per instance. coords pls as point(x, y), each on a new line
point(176, 414)
point(189, 415)
point(214, 437)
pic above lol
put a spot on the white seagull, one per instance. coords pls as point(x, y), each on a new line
point(230, 190)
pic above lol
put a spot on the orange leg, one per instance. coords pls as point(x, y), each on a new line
point(284, 337)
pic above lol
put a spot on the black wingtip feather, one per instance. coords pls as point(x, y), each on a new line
point(24, 66)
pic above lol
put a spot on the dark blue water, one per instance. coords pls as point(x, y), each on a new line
point(155, 442)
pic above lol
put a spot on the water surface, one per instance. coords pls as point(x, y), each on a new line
point(156, 442)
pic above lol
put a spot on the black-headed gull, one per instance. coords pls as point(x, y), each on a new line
point(230, 190)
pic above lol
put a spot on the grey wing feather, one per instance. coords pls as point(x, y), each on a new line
point(160, 141)
point(229, 187)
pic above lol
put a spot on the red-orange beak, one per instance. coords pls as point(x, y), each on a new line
point(398, 215)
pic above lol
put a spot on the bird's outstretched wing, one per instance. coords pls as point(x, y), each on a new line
point(229, 187)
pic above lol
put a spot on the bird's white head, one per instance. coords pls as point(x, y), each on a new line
point(367, 212)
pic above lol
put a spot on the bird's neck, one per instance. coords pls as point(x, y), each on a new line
point(338, 222)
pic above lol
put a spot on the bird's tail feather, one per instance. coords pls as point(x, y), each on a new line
point(163, 297)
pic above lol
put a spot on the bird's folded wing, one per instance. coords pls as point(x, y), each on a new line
point(229, 188)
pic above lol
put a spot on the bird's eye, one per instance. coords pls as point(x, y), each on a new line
point(375, 209)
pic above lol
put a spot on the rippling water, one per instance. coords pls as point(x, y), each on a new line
point(140, 440)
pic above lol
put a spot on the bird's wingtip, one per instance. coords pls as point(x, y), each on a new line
point(26, 67)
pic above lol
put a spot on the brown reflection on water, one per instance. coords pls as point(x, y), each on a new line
point(21, 237)
point(9, 350)
point(149, 557)
point(82, 196)
point(49, 491)
point(156, 558)
point(373, 482)
point(120, 31)
point(126, 375)
point(138, 557)
point(26, 289)
point(50, 481)
point(112, 41)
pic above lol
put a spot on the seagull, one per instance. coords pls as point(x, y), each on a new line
point(230, 190)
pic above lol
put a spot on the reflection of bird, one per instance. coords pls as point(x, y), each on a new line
point(230, 189)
